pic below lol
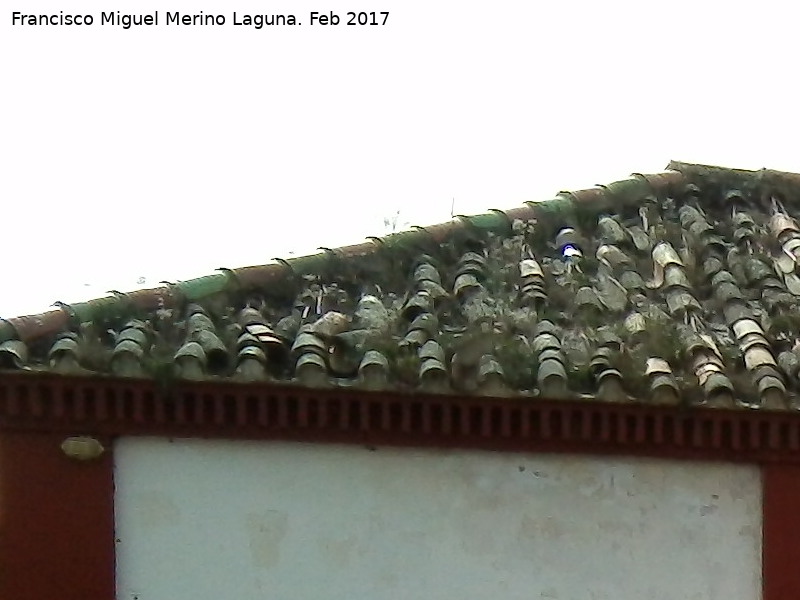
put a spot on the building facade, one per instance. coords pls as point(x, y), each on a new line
point(589, 397)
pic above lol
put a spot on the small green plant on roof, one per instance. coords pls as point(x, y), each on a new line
point(519, 362)
point(663, 341)
point(632, 365)
point(592, 319)
point(585, 216)
point(582, 276)
point(786, 322)
point(671, 232)
point(405, 368)
point(403, 362)
point(96, 354)
point(158, 363)
point(580, 379)
point(731, 354)
point(499, 278)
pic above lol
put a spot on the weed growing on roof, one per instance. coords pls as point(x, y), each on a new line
point(159, 361)
point(663, 341)
point(580, 378)
point(405, 368)
point(691, 392)
point(592, 316)
point(761, 254)
point(589, 267)
point(586, 216)
point(558, 296)
point(671, 232)
point(403, 361)
point(742, 381)
point(519, 362)
point(159, 365)
point(632, 364)
point(787, 322)
point(95, 353)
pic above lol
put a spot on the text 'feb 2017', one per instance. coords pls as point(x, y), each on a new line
point(201, 19)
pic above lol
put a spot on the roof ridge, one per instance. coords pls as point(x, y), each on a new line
point(565, 206)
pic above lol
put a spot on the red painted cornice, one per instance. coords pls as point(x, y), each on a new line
point(110, 407)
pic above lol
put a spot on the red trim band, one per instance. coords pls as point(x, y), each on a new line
point(113, 407)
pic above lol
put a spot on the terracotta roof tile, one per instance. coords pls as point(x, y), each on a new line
point(675, 287)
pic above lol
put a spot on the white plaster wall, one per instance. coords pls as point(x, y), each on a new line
point(214, 520)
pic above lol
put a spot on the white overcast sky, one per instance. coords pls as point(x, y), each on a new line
point(164, 153)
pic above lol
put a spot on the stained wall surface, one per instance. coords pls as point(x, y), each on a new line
point(204, 520)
